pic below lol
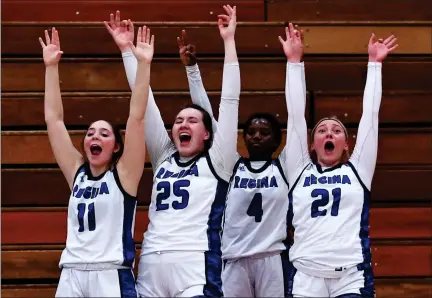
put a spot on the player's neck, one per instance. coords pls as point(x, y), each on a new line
point(97, 171)
point(259, 157)
point(328, 164)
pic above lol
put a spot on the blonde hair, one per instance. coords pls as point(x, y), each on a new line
point(345, 156)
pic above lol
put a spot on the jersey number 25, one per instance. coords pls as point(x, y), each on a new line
point(178, 191)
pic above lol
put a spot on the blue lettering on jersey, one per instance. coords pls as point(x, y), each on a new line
point(254, 183)
point(336, 179)
point(90, 192)
point(165, 174)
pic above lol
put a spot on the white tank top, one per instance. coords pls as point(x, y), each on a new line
point(188, 200)
point(256, 212)
point(330, 214)
point(100, 223)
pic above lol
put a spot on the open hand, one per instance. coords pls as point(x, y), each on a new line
point(145, 45)
point(293, 45)
point(230, 19)
point(51, 50)
point(121, 31)
point(379, 49)
point(186, 51)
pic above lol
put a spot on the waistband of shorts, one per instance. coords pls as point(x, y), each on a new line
point(326, 273)
point(94, 266)
point(256, 256)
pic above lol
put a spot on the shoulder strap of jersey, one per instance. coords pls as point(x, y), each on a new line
point(298, 178)
point(279, 166)
point(82, 168)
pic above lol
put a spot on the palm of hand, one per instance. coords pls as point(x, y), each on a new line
point(51, 54)
point(378, 50)
point(227, 31)
point(122, 36)
point(144, 51)
point(292, 48)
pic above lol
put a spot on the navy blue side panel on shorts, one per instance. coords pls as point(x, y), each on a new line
point(286, 271)
point(213, 257)
point(127, 283)
point(290, 279)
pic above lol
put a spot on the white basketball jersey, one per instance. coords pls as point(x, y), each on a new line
point(101, 218)
point(256, 212)
point(330, 214)
point(188, 200)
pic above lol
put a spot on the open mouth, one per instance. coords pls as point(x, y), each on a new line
point(185, 138)
point(329, 147)
point(95, 149)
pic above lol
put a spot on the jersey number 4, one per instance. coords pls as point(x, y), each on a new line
point(255, 208)
point(324, 200)
point(91, 217)
point(178, 191)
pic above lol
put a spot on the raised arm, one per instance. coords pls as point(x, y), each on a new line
point(196, 87)
point(296, 153)
point(224, 150)
point(67, 156)
point(158, 143)
point(131, 164)
point(365, 151)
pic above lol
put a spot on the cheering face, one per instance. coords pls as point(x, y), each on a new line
point(329, 143)
point(189, 133)
point(259, 139)
point(100, 144)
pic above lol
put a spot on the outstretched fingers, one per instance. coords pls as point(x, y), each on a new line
point(110, 30)
point(47, 38)
point(43, 45)
point(147, 40)
point(117, 19)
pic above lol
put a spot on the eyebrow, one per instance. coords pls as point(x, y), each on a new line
point(192, 117)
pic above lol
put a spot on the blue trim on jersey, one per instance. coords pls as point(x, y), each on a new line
point(213, 257)
point(127, 283)
point(320, 170)
point(129, 207)
point(247, 163)
point(81, 169)
point(369, 289)
point(279, 166)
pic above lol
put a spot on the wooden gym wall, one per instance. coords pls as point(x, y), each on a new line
point(94, 86)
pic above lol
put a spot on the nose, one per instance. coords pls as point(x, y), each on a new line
point(256, 136)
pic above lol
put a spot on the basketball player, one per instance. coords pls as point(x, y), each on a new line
point(330, 195)
point(100, 251)
point(181, 254)
point(254, 241)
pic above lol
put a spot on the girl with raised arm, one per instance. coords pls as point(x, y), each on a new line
point(255, 236)
point(100, 251)
point(181, 251)
point(330, 193)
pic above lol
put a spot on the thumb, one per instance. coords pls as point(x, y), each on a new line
point(220, 24)
point(372, 38)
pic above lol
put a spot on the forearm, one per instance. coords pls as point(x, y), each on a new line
point(53, 105)
point(140, 92)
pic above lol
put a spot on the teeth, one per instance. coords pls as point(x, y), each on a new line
point(184, 134)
